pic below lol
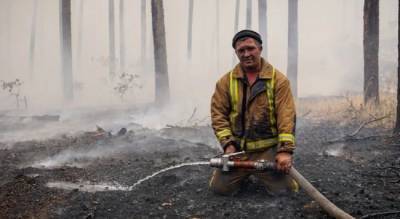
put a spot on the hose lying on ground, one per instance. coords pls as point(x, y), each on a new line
point(225, 163)
point(327, 205)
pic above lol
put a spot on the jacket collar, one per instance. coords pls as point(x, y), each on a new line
point(265, 73)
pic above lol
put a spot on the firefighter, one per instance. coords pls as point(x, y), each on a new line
point(252, 110)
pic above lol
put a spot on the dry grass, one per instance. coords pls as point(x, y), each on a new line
point(349, 109)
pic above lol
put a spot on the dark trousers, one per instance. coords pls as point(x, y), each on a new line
point(226, 183)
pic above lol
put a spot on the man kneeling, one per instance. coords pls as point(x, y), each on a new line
point(252, 110)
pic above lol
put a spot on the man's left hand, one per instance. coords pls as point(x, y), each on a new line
point(283, 161)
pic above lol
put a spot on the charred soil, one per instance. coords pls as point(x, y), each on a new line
point(360, 175)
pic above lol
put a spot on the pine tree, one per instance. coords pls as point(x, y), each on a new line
point(293, 45)
point(262, 24)
point(371, 48)
point(397, 126)
point(66, 49)
point(111, 38)
point(33, 40)
point(189, 35)
point(248, 14)
point(160, 53)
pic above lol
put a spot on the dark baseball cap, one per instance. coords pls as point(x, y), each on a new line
point(246, 33)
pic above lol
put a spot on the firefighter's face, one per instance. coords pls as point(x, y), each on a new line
point(249, 53)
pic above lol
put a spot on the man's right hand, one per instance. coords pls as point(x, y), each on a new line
point(230, 149)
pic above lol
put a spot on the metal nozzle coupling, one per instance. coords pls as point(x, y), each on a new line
point(264, 165)
point(225, 163)
point(216, 162)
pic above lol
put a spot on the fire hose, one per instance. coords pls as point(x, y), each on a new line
point(225, 163)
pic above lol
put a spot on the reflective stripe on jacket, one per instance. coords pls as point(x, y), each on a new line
point(255, 117)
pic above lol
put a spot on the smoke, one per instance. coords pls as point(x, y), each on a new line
point(78, 158)
point(335, 150)
point(330, 54)
point(44, 124)
point(41, 125)
point(86, 149)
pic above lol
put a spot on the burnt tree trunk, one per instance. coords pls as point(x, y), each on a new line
point(237, 8)
point(397, 126)
point(143, 30)
point(66, 49)
point(262, 24)
point(80, 32)
point(371, 48)
point(33, 40)
point(160, 53)
point(248, 14)
point(292, 67)
point(121, 36)
point(189, 36)
point(111, 38)
point(6, 48)
point(217, 13)
point(236, 26)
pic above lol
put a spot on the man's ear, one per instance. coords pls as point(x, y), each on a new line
point(261, 48)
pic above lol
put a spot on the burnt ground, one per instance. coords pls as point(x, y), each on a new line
point(361, 175)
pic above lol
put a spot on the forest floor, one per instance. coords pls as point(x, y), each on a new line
point(89, 174)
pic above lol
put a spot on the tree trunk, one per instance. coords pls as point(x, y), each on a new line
point(160, 53)
point(248, 14)
point(6, 9)
point(143, 30)
point(217, 11)
point(66, 49)
point(262, 23)
point(189, 36)
point(371, 48)
point(237, 8)
point(121, 36)
point(80, 31)
point(292, 66)
point(32, 41)
point(236, 27)
point(397, 126)
point(111, 38)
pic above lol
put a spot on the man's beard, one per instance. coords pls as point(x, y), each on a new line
point(253, 67)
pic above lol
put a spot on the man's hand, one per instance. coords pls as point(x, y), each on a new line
point(283, 161)
point(230, 149)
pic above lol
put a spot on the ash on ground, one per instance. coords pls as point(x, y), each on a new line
point(88, 174)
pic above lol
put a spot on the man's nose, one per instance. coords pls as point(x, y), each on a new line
point(246, 53)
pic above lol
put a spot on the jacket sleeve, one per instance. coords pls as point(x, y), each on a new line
point(285, 114)
point(220, 110)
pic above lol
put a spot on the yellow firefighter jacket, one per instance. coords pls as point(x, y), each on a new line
point(257, 117)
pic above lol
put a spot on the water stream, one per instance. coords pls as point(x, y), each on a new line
point(167, 169)
point(89, 187)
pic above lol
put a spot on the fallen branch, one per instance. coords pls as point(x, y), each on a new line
point(203, 119)
point(190, 122)
point(366, 123)
point(363, 124)
point(191, 117)
point(305, 114)
point(395, 181)
point(183, 122)
point(380, 214)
